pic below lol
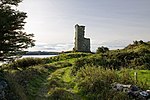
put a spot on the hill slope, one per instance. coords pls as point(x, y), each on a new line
point(78, 76)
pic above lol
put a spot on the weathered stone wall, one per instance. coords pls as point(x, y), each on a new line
point(86, 45)
point(81, 44)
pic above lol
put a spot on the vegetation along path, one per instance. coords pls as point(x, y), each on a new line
point(79, 76)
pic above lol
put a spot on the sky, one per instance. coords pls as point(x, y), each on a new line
point(111, 23)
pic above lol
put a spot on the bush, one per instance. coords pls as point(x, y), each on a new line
point(26, 62)
point(96, 60)
point(125, 77)
point(62, 94)
point(79, 63)
point(95, 83)
point(102, 49)
point(92, 60)
point(69, 56)
point(55, 82)
point(94, 80)
point(22, 77)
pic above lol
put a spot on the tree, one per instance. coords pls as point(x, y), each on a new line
point(102, 49)
point(135, 42)
point(141, 42)
point(13, 39)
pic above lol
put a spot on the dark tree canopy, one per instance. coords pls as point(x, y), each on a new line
point(12, 38)
point(102, 49)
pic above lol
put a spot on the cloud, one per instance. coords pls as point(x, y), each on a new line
point(112, 45)
point(116, 44)
point(52, 47)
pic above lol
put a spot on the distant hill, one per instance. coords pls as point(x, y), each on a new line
point(138, 46)
point(41, 53)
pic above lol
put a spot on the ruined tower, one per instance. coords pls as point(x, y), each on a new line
point(82, 44)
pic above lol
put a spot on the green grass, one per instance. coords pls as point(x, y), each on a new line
point(67, 75)
point(48, 78)
point(143, 76)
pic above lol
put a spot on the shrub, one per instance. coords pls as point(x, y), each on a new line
point(62, 94)
point(69, 56)
point(26, 62)
point(22, 77)
point(125, 77)
point(55, 82)
point(90, 61)
point(95, 80)
point(79, 63)
point(95, 83)
point(102, 49)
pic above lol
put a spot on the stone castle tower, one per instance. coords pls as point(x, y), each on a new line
point(82, 44)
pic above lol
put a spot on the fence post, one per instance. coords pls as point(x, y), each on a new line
point(135, 77)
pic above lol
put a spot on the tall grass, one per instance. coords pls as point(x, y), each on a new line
point(95, 82)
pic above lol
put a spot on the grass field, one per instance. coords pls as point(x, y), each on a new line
point(55, 78)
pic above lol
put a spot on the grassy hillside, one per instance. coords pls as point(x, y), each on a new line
point(78, 76)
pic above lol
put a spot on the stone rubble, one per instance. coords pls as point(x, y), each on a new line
point(3, 86)
point(133, 91)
